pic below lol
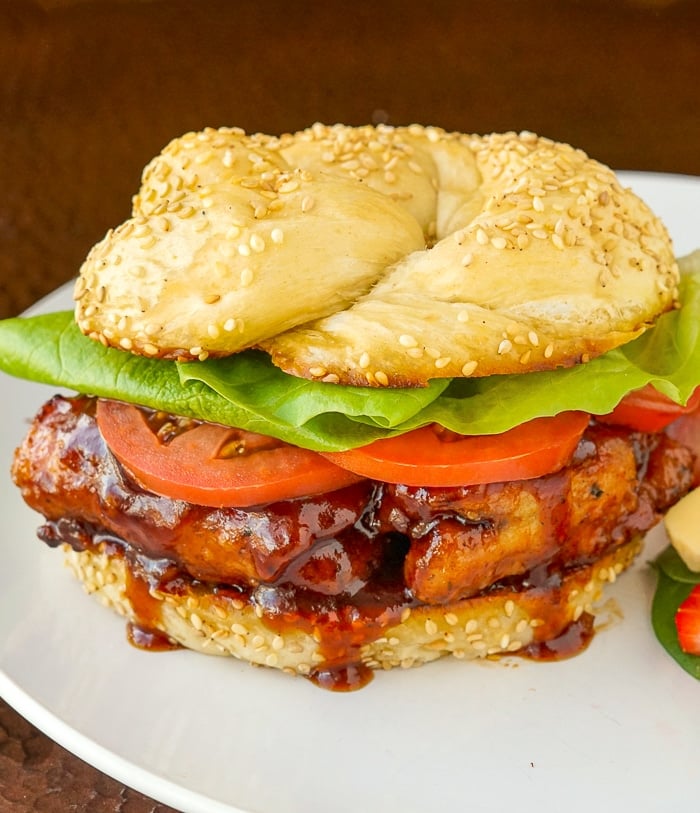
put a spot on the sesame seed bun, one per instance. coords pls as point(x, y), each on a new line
point(379, 256)
point(499, 622)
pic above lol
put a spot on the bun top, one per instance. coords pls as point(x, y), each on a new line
point(379, 256)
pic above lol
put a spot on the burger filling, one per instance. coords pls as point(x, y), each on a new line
point(351, 560)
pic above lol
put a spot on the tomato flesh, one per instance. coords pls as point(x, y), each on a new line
point(214, 465)
point(649, 410)
point(430, 456)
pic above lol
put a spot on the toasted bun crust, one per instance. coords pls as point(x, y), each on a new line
point(379, 256)
point(501, 622)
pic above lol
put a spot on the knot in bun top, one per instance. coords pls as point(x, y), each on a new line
point(378, 256)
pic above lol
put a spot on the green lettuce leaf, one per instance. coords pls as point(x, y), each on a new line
point(252, 380)
point(247, 391)
point(50, 349)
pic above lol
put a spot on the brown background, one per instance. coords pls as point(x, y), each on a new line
point(89, 91)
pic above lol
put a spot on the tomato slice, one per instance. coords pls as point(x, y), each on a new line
point(649, 410)
point(214, 465)
point(432, 456)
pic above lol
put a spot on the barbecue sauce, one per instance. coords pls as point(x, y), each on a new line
point(143, 630)
point(574, 639)
point(334, 566)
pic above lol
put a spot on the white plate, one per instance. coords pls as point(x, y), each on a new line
point(617, 728)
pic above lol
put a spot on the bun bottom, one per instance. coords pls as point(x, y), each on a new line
point(548, 621)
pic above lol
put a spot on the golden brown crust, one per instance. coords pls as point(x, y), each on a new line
point(379, 256)
point(500, 622)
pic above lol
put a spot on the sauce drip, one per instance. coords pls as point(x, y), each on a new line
point(143, 632)
point(152, 640)
point(573, 640)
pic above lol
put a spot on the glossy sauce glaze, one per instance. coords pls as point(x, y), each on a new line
point(346, 566)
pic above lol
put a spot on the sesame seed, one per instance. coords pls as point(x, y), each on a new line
point(549, 349)
point(431, 627)
point(364, 361)
point(246, 277)
point(406, 340)
point(382, 378)
point(257, 243)
point(469, 367)
point(277, 236)
point(505, 347)
point(288, 186)
point(499, 242)
point(481, 237)
point(467, 259)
